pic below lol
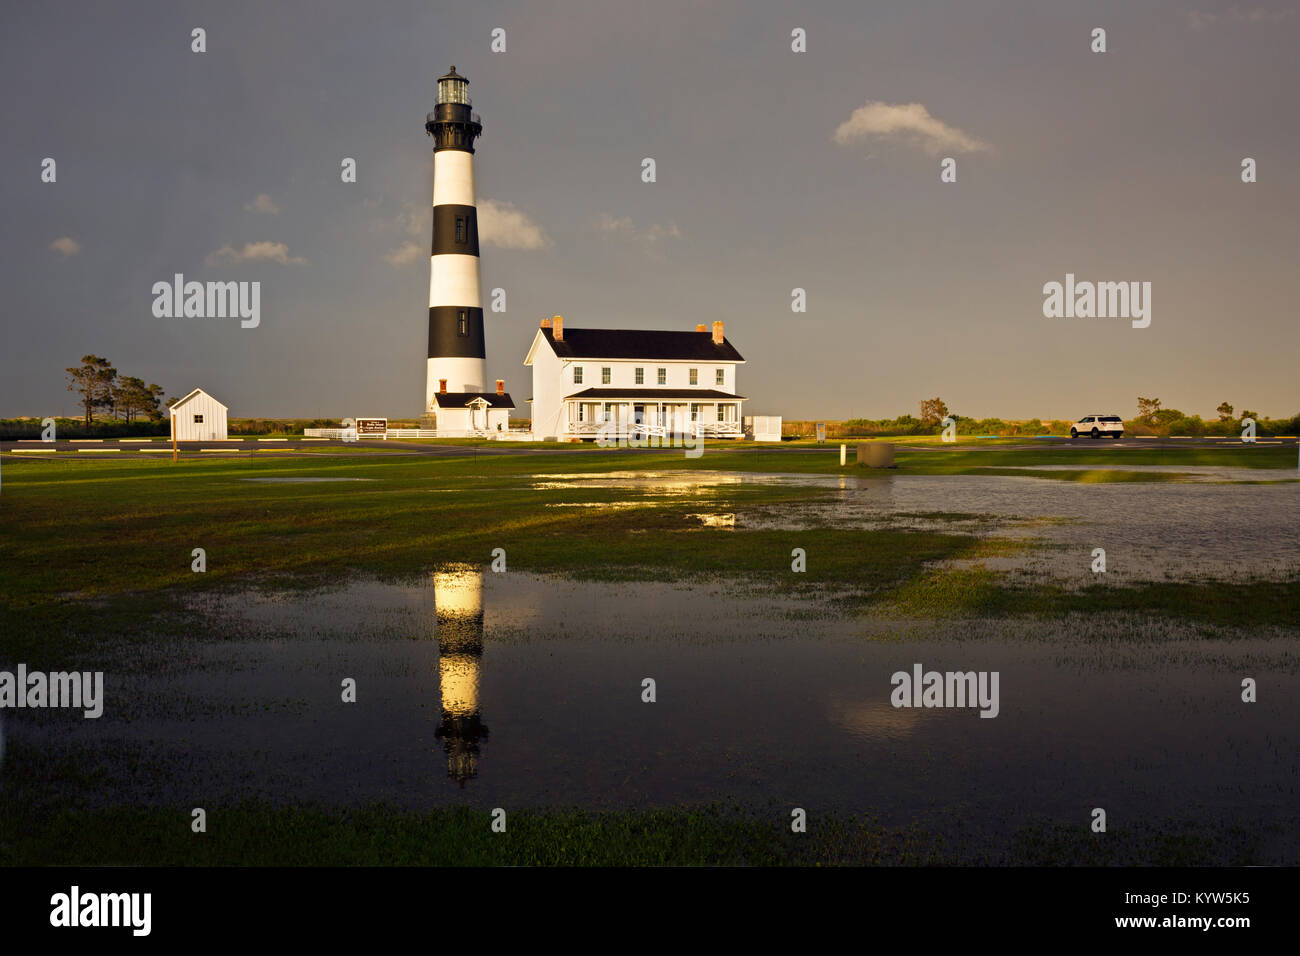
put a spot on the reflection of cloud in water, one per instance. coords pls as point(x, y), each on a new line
point(875, 720)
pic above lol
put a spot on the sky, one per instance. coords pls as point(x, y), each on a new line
point(775, 170)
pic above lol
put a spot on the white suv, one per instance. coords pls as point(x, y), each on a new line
point(1098, 425)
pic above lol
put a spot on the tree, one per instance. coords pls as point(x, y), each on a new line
point(1247, 413)
point(1225, 412)
point(154, 409)
point(134, 399)
point(1147, 409)
point(933, 411)
point(93, 381)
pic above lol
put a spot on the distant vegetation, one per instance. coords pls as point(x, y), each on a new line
point(1151, 420)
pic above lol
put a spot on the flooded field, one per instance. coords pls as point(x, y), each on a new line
point(526, 690)
point(1215, 526)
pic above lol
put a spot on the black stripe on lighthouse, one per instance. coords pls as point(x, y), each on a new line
point(455, 331)
point(455, 230)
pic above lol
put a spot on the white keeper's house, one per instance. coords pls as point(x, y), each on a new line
point(630, 382)
point(472, 414)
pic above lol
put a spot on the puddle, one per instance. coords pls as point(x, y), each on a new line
point(526, 690)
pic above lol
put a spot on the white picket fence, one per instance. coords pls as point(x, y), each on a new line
point(514, 434)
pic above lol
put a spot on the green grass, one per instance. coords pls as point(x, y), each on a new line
point(79, 530)
point(259, 835)
point(979, 592)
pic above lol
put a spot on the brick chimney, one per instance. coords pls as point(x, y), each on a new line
point(701, 328)
point(717, 333)
point(546, 323)
point(442, 386)
point(557, 327)
point(501, 386)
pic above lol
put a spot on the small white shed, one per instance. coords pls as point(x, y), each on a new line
point(199, 417)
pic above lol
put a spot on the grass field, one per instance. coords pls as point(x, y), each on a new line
point(98, 552)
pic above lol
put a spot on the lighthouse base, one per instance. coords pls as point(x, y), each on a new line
point(461, 375)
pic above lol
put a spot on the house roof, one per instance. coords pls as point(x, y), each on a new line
point(462, 399)
point(198, 391)
point(648, 344)
point(654, 394)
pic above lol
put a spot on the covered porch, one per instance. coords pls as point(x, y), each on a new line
point(653, 415)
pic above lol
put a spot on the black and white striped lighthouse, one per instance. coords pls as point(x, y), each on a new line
point(456, 353)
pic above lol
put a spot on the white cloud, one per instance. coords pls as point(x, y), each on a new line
point(1200, 20)
point(908, 122)
point(657, 232)
point(66, 246)
point(405, 254)
point(263, 203)
point(610, 224)
point(504, 225)
point(623, 227)
point(415, 218)
point(256, 252)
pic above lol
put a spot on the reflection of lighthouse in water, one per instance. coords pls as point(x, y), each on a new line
point(458, 602)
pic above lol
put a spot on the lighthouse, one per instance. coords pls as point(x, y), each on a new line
point(456, 352)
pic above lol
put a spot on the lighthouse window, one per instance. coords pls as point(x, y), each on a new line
point(695, 376)
point(663, 376)
point(640, 376)
point(577, 375)
point(462, 327)
point(604, 376)
point(460, 228)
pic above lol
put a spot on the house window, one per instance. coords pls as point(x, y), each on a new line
point(580, 408)
point(608, 407)
point(604, 376)
point(198, 419)
point(577, 375)
point(695, 411)
point(695, 376)
point(663, 376)
point(462, 323)
point(720, 413)
point(460, 228)
point(640, 376)
point(720, 377)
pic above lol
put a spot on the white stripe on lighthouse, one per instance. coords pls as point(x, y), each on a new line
point(453, 177)
point(453, 280)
